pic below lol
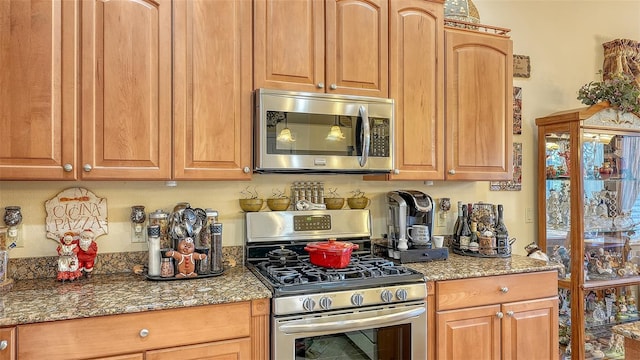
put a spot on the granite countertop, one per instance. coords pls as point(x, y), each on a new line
point(39, 300)
point(460, 267)
point(45, 299)
point(630, 330)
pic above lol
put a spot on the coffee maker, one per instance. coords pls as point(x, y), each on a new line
point(407, 208)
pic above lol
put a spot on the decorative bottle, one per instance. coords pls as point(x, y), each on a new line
point(501, 232)
point(456, 226)
point(217, 264)
point(465, 231)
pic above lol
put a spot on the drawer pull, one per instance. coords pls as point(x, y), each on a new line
point(4, 344)
point(144, 333)
point(504, 289)
point(499, 315)
point(510, 313)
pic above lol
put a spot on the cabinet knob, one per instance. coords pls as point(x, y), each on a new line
point(67, 167)
point(246, 170)
point(452, 172)
point(333, 86)
point(320, 85)
point(504, 289)
point(396, 171)
point(499, 315)
point(510, 313)
point(144, 333)
point(87, 167)
point(4, 344)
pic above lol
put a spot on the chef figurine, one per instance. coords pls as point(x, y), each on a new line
point(88, 252)
point(68, 267)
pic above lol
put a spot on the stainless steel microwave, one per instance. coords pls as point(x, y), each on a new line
point(298, 132)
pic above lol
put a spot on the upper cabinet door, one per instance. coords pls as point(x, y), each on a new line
point(212, 89)
point(479, 105)
point(289, 45)
point(416, 72)
point(126, 89)
point(38, 89)
point(357, 47)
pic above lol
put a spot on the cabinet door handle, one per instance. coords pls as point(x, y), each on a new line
point(320, 85)
point(87, 167)
point(246, 170)
point(396, 171)
point(333, 86)
point(499, 315)
point(504, 289)
point(510, 313)
point(67, 167)
point(4, 344)
point(144, 333)
point(452, 172)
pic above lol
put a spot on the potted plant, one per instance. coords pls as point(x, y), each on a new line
point(333, 200)
point(278, 201)
point(620, 91)
point(250, 201)
point(358, 200)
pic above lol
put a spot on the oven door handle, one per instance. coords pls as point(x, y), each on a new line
point(312, 326)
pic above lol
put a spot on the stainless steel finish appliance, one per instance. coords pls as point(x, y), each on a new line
point(318, 133)
point(372, 309)
point(407, 208)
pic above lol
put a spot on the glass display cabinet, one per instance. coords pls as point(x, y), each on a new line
point(589, 222)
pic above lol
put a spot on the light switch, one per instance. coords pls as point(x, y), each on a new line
point(528, 215)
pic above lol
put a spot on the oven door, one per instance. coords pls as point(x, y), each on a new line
point(375, 333)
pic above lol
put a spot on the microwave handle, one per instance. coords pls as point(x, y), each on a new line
point(365, 135)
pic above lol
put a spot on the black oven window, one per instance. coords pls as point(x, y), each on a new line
point(387, 343)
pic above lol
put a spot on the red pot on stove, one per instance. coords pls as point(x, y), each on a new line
point(331, 254)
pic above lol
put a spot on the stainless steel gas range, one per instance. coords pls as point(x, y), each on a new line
point(372, 309)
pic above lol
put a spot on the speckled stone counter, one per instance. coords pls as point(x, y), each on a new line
point(46, 299)
point(460, 267)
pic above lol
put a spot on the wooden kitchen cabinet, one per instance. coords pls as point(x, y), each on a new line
point(497, 317)
point(212, 108)
point(126, 90)
point(416, 73)
point(235, 330)
point(38, 90)
point(8, 343)
point(335, 46)
point(479, 104)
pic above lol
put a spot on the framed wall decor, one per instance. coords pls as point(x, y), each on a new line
point(516, 183)
point(521, 66)
point(517, 110)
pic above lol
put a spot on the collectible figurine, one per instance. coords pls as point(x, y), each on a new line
point(68, 267)
point(186, 257)
point(88, 252)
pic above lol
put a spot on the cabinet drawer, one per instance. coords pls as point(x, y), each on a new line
point(122, 334)
point(456, 294)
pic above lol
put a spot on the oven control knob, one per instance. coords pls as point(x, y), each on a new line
point(357, 299)
point(386, 296)
point(402, 295)
point(308, 304)
point(326, 302)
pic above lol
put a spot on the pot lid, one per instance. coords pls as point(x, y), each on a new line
point(331, 246)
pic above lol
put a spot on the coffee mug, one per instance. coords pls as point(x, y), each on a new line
point(419, 234)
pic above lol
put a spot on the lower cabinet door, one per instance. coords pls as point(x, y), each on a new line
point(8, 343)
point(530, 330)
point(471, 333)
point(138, 356)
point(238, 349)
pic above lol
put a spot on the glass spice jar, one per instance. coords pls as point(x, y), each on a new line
point(166, 267)
point(161, 219)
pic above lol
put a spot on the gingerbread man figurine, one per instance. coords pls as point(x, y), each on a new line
point(186, 257)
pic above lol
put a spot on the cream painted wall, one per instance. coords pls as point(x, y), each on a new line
point(563, 39)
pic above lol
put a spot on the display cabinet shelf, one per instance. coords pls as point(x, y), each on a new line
point(589, 222)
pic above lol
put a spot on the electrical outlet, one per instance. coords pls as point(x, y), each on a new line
point(441, 221)
point(528, 215)
point(15, 237)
